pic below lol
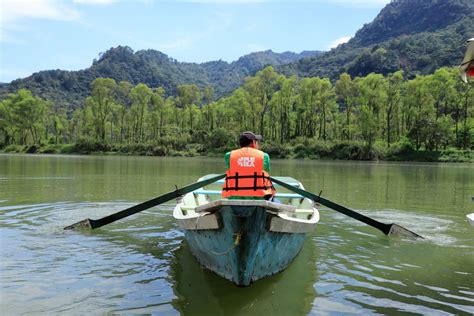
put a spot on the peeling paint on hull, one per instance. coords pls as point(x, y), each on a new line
point(243, 250)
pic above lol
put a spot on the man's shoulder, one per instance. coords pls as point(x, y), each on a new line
point(250, 149)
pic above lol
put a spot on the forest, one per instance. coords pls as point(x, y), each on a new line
point(389, 117)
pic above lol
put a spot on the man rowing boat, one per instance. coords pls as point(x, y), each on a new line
point(248, 168)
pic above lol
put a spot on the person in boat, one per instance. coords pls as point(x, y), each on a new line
point(466, 69)
point(248, 168)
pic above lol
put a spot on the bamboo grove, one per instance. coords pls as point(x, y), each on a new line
point(429, 113)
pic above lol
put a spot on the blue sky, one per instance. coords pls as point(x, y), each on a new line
point(51, 34)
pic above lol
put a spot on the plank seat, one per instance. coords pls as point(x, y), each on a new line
point(278, 195)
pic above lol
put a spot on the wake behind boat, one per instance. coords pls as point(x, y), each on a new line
point(245, 240)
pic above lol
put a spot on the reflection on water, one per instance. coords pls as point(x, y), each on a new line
point(140, 265)
point(200, 292)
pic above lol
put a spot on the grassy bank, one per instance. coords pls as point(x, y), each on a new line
point(300, 149)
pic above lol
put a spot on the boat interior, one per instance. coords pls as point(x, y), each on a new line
point(209, 198)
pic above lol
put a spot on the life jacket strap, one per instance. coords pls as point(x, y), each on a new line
point(248, 177)
point(255, 176)
point(247, 188)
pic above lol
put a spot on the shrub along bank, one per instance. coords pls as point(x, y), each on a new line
point(299, 149)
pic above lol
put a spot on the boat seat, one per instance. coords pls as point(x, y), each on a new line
point(187, 208)
point(271, 206)
point(278, 195)
point(189, 200)
point(201, 199)
point(303, 211)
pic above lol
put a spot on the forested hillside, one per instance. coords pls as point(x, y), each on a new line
point(417, 36)
point(371, 117)
point(384, 95)
point(68, 89)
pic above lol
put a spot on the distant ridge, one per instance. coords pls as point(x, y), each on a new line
point(69, 88)
point(418, 36)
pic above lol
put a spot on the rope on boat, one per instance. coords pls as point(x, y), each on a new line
point(238, 236)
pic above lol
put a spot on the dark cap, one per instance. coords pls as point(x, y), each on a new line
point(246, 138)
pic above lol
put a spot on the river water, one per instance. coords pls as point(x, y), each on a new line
point(140, 265)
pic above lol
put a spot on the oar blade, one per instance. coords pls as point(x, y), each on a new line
point(84, 224)
point(399, 231)
point(388, 229)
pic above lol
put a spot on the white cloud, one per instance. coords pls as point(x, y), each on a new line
point(95, 2)
point(339, 41)
point(13, 10)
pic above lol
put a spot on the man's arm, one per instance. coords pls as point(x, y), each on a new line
point(227, 160)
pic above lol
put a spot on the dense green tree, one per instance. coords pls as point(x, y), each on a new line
point(23, 118)
point(392, 110)
point(100, 103)
point(188, 94)
point(347, 96)
point(430, 112)
point(283, 101)
point(261, 88)
point(463, 115)
point(208, 95)
point(372, 98)
point(140, 96)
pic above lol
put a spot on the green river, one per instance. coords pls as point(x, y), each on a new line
point(141, 265)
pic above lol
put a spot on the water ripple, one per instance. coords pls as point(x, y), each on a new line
point(130, 266)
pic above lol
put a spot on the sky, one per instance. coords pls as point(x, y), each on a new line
point(40, 35)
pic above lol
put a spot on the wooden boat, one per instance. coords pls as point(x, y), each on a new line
point(245, 240)
point(470, 217)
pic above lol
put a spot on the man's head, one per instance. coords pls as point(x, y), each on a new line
point(249, 139)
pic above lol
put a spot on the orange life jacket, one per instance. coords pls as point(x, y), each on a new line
point(246, 176)
point(470, 70)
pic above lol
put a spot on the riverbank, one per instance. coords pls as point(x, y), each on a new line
point(313, 150)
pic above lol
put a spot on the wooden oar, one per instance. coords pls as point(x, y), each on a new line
point(91, 223)
point(387, 229)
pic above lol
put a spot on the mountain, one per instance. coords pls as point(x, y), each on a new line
point(68, 89)
point(418, 36)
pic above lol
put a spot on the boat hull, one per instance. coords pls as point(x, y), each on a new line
point(243, 249)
